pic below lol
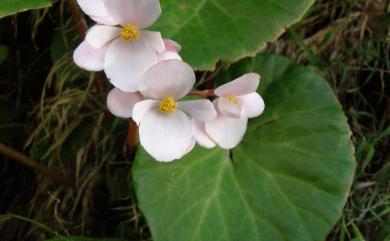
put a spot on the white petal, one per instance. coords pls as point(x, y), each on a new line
point(121, 103)
point(89, 58)
point(126, 62)
point(142, 13)
point(172, 45)
point(227, 132)
point(199, 109)
point(192, 145)
point(199, 132)
point(106, 20)
point(99, 35)
point(155, 40)
point(142, 107)
point(252, 104)
point(93, 7)
point(168, 78)
point(167, 55)
point(228, 108)
point(165, 137)
point(246, 84)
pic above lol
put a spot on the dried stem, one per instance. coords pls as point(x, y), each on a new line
point(25, 160)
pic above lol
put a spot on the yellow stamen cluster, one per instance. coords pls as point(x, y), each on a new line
point(129, 32)
point(232, 99)
point(168, 105)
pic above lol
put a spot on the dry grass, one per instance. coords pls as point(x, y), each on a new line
point(346, 41)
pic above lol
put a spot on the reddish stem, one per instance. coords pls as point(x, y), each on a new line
point(132, 135)
point(203, 93)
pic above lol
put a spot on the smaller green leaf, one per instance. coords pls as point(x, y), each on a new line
point(10, 7)
point(3, 53)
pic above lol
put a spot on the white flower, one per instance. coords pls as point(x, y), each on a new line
point(126, 51)
point(121, 103)
point(171, 52)
point(164, 122)
point(238, 101)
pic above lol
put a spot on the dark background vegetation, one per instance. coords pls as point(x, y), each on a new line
point(55, 114)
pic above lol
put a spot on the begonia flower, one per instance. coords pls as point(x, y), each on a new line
point(171, 52)
point(121, 103)
point(200, 134)
point(238, 101)
point(118, 44)
point(165, 127)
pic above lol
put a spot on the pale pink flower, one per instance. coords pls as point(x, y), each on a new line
point(121, 103)
point(171, 52)
point(238, 101)
point(200, 134)
point(117, 43)
point(165, 122)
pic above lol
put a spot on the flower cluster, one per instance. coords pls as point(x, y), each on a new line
point(150, 79)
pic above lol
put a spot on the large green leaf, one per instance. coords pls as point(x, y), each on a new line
point(228, 30)
point(9, 7)
point(287, 180)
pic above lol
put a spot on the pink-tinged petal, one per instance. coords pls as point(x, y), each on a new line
point(252, 104)
point(142, 107)
point(192, 145)
point(106, 20)
point(99, 35)
point(172, 45)
point(246, 84)
point(165, 137)
point(227, 132)
point(126, 63)
point(168, 78)
point(141, 13)
point(93, 7)
point(89, 58)
point(155, 40)
point(228, 108)
point(167, 55)
point(199, 109)
point(199, 132)
point(121, 103)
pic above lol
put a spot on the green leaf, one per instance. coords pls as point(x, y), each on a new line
point(287, 180)
point(228, 30)
point(9, 7)
point(3, 53)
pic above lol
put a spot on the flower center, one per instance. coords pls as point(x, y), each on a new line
point(168, 105)
point(129, 32)
point(232, 99)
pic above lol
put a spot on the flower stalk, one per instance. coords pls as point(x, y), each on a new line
point(202, 93)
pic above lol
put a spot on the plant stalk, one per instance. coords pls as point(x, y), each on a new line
point(25, 160)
